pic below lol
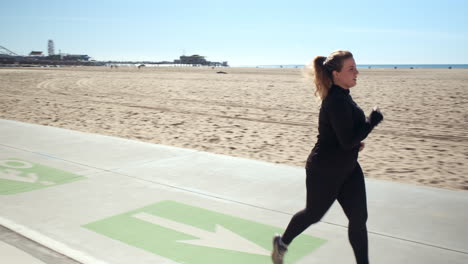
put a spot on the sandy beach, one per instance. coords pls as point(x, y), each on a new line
point(263, 114)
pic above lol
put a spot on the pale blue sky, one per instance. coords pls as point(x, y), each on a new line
point(241, 32)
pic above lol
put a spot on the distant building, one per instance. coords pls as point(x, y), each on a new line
point(198, 60)
point(75, 57)
point(35, 53)
point(194, 59)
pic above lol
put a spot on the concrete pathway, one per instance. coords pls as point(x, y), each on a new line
point(100, 199)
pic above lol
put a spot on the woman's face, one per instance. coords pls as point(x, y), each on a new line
point(347, 77)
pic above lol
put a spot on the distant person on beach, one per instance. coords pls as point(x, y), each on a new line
point(332, 168)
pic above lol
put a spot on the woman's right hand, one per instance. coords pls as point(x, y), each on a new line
point(375, 117)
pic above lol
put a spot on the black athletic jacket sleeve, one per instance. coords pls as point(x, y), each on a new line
point(349, 128)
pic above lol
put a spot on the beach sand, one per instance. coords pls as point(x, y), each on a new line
point(263, 114)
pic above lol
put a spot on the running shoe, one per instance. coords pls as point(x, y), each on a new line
point(279, 249)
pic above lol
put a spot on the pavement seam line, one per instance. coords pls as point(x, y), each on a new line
point(32, 248)
point(49, 242)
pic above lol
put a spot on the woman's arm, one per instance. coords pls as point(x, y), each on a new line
point(340, 112)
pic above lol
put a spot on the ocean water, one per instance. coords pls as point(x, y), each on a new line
point(374, 66)
point(414, 66)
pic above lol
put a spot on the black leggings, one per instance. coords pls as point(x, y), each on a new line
point(323, 187)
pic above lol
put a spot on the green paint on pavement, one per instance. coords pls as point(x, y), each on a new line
point(162, 239)
point(17, 176)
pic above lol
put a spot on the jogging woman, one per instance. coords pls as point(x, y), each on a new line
point(332, 168)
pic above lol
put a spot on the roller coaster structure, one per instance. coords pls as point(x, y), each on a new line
point(5, 51)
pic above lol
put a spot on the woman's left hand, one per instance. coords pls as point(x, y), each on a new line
point(361, 147)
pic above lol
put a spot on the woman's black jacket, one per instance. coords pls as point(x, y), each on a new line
point(342, 127)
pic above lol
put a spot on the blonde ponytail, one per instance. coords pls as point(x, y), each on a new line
point(322, 78)
point(322, 71)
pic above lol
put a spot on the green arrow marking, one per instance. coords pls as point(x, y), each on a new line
point(221, 238)
point(194, 235)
